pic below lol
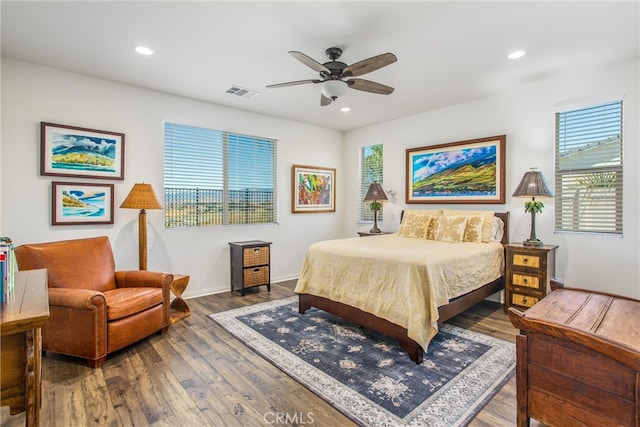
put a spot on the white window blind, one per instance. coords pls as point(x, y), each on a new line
point(370, 172)
point(588, 181)
point(215, 178)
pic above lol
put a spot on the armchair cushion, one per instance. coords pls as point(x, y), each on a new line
point(123, 302)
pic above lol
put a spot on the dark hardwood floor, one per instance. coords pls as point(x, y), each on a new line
point(199, 375)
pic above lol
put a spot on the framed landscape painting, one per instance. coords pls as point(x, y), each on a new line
point(470, 171)
point(81, 152)
point(76, 203)
point(314, 189)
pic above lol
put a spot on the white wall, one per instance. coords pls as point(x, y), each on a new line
point(32, 93)
point(526, 115)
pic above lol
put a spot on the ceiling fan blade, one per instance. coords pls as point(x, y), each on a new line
point(309, 62)
point(369, 65)
point(324, 100)
point(297, 82)
point(369, 86)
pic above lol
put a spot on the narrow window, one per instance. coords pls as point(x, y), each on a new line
point(370, 172)
point(214, 178)
point(588, 181)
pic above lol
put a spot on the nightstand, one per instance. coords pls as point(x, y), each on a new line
point(250, 264)
point(529, 269)
point(368, 233)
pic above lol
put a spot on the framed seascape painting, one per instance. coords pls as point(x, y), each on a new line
point(81, 152)
point(470, 171)
point(76, 203)
point(314, 189)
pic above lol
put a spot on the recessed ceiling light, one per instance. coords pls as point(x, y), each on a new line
point(345, 109)
point(516, 54)
point(144, 50)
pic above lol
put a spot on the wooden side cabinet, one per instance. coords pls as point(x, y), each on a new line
point(21, 320)
point(529, 269)
point(250, 264)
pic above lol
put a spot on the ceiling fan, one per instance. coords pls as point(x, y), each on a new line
point(336, 77)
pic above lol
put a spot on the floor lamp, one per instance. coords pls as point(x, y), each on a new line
point(375, 195)
point(533, 185)
point(142, 197)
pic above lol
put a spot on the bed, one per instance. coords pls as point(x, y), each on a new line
point(403, 285)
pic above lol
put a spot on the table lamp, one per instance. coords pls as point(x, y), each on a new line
point(533, 185)
point(142, 197)
point(375, 194)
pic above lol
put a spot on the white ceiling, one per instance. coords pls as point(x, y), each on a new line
point(448, 52)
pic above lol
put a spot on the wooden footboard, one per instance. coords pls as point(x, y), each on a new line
point(369, 321)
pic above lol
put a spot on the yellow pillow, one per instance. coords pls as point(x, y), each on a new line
point(473, 229)
point(415, 224)
point(488, 220)
point(449, 228)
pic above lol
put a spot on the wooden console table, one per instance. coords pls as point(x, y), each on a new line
point(20, 323)
point(578, 359)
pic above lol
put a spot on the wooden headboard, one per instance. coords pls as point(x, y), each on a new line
point(504, 216)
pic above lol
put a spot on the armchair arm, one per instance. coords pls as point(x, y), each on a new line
point(81, 299)
point(137, 278)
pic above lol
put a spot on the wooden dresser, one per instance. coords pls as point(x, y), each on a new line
point(21, 320)
point(578, 360)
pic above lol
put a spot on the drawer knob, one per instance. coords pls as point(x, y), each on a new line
point(256, 250)
point(525, 281)
point(524, 300)
point(255, 270)
point(525, 260)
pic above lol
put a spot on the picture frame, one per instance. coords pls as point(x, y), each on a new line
point(81, 152)
point(79, 203)
point(464, 172)
point(313, 189)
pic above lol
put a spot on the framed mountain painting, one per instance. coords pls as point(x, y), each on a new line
point(81, 152)
point(470, 171)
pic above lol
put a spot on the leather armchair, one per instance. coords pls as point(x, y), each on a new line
point(95, 310)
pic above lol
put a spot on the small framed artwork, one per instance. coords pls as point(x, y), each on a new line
point(80, 152)
point(470, 171)
point(77, 203)
point(314, 189)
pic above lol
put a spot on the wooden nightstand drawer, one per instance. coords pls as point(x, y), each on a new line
point(525, 280)
point(523, 300)
point(528, 270)
point(255, 276)
point(255, 256)
point(526, 260)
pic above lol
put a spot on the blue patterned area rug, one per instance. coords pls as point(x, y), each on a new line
point(367, 376)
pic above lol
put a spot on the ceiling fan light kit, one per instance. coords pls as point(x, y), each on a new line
point(333, 74)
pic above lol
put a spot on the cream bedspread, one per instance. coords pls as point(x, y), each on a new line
point(400, 279)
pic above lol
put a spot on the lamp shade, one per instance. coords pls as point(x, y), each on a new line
point(533, 184)
point(333, 88)
point(375, 192)
point(141, 196)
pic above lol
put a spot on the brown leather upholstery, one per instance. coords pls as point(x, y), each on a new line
point(95, 310)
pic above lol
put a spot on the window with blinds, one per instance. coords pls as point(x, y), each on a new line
point(588, 181)
point(370, 172)
point(214, 178)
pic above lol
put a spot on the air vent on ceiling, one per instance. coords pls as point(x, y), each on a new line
point(245, 93)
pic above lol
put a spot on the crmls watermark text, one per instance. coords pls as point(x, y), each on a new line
point(297, 418)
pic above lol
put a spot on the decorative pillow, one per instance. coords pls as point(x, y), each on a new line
point(449, 228)
point(497, 230)
point(415, 224)
point(473, 229)
point(488, 220)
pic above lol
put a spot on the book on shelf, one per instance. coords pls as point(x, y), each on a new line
point(8, 269)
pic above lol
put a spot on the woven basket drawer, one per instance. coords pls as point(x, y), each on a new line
point(256, 276)
point(256, 256)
